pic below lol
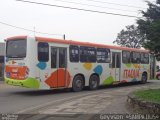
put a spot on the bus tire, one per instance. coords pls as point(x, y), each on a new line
point(78, 83)
point(93, 82)
point(144, 78)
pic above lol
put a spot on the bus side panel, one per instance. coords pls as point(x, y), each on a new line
point(32, 62)
point(130, 72)
point(133, 72)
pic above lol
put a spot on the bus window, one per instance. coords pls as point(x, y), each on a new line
point(16, 48)
point(118, 60)
point(144, 58)
point(103, 55)
point(53, 58)
point(62, 58)
point(43, 52)
point(1, 59)
point(87, 54)
point(126, 57)
point(113, 60)
point(136, 57)
point(74, 53)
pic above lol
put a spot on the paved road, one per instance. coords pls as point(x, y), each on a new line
point(110, 99)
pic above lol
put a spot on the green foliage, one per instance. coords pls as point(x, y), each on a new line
point(149, 27)
point(131, 37)
point(149, 95)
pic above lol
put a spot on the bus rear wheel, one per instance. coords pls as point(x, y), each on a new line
point(93, 82)
point(78, 83)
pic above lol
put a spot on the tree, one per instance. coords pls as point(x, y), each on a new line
point(131, 37)
point(149, 26)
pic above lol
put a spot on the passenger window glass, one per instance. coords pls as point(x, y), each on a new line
point(136, 57)
point(103, 55)
point(118, 61)
point(74, 53)
point(53, 57)
point(43, 52)
point(126, 57)
point(87, 54)
point(62, 57)
point(144, 58)
point(113, 60)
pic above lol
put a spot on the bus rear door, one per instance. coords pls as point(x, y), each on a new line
point(58, 66)
point(116, 65)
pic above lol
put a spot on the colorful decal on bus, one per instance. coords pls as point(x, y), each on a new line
point(108, 81)
point(130, 73)
point(42, 65)
point(29, 82)
point(98, 70)
point(17, 72)
point(59, 78)
point(87, 66)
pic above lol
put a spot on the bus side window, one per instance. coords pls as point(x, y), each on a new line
point(83, 54)
point(135, 57)
point(43, 52)
point(91, 54)
point(144, 58)
point(103, 55)
point(87, 54)
point(126, 57)
point(74, 53)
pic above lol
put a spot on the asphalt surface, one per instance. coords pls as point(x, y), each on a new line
point(45, 103)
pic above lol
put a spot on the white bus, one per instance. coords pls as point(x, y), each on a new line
point(46, 63)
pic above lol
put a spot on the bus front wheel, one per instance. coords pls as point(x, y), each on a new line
point(144, 78)
point(93, 82)
point(77, 83)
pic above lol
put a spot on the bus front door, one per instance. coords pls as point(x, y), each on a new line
point(58, 66)
point(116, 65)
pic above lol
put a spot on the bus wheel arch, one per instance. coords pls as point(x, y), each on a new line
point(94, 81)
point(144, 77)
point(78, 83)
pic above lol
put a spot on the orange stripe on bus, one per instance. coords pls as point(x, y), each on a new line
point(42, 39)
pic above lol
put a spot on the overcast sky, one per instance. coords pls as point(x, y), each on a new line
point(76, 25)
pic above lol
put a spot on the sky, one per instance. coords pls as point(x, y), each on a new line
point(76, 25)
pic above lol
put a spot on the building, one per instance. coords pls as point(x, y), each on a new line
point(2, 54)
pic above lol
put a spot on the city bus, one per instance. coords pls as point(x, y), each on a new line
point(48, 63)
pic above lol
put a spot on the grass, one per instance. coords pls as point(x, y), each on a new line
point(152, 95)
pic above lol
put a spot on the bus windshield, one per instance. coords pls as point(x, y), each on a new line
point(16, 48)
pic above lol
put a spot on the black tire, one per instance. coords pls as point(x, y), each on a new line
point(93, 82)
point(78, 83)
point(144, 78)
point(158, 77)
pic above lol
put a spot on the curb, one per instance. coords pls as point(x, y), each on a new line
point(142, 106)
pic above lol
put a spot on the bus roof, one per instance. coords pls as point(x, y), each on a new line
point(16, 37)
point(72, 42)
